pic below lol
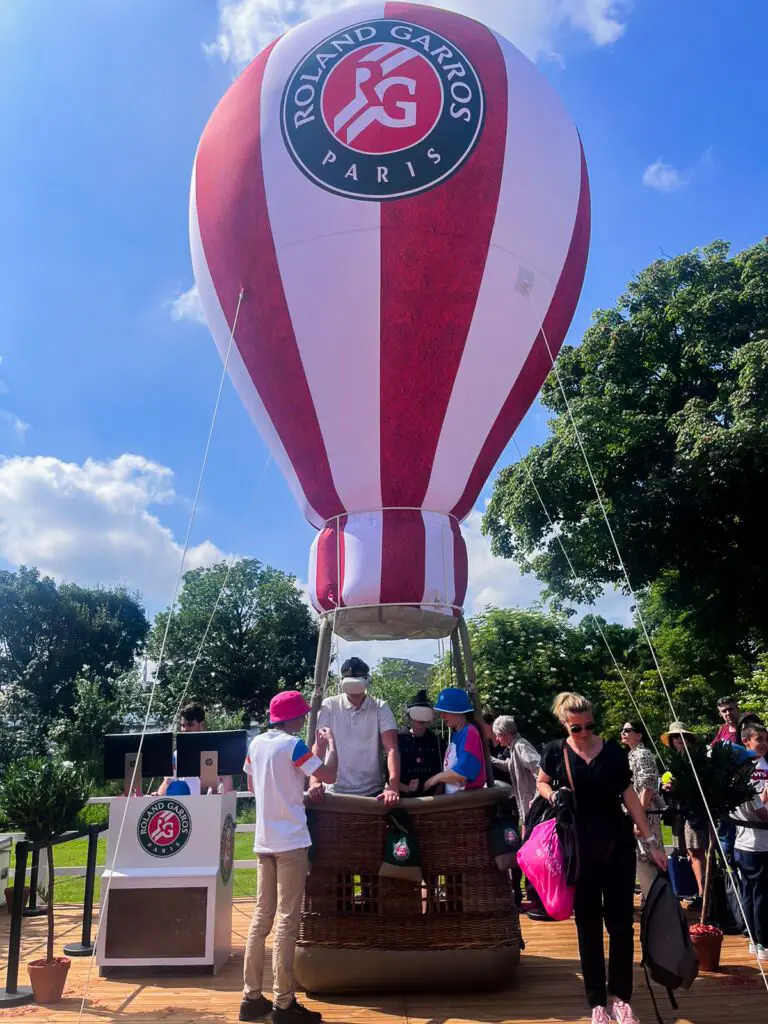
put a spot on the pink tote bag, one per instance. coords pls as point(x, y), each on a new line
point(541, 860)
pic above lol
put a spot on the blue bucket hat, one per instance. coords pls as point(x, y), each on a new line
point(454, 701)
point(742, 755)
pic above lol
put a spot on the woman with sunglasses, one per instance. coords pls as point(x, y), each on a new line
point(598, 773)
point(646, 783)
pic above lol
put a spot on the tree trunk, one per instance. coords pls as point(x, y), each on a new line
point(49, 951)
point(707, 879)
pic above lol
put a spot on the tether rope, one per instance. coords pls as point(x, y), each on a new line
point(581, 587)
point(233, 559)
point(105, 893)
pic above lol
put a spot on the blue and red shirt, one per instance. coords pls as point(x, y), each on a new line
point(466, 757)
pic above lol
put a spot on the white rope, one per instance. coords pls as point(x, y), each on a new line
point(105, 892)
point(646, 634)
point(595, 618)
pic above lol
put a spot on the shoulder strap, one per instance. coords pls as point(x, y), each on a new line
point(567, 759)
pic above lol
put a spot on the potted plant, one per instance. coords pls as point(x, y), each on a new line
point(725, 779)
point(43, 797)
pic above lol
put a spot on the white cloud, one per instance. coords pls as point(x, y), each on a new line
point(664, 177)
point(188, 306)
point(535, 26)
point(16, 426)
point(92, 523)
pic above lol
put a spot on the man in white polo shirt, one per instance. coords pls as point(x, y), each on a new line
point(362, 727)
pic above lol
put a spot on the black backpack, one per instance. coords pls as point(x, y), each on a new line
point(669, 957)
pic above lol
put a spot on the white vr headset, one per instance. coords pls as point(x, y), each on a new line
point(353, 686)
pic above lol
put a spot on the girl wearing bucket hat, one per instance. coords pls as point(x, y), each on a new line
point(277, 765)
point(464, 764)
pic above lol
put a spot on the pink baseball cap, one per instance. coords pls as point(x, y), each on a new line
point(286, 706)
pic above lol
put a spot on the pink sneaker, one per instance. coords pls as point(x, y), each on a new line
point(600, 1016)
point(622, 1012)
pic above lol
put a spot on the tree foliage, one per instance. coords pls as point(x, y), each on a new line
point(43, 796)
point(50, 634)
point(396, 680)
point(523, 659)
point(670, 394)
point(262, 638)
point(99, 709)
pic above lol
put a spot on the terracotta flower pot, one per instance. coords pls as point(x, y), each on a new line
point(48, 979)
point(708, 947)
point(9, 898)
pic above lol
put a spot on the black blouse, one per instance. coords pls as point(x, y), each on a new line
point(599, 785)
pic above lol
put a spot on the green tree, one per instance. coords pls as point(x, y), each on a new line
point(50, 634)
point(262, 638)
point(22, 727)
point(99, 708)
point(396, 680)
point(670, 394)
point(524, 658)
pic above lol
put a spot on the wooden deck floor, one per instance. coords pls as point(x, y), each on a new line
point(548, 988)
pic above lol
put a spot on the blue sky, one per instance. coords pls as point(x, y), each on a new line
point(101, 107)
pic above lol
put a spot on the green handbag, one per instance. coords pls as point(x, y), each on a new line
point(503, 839)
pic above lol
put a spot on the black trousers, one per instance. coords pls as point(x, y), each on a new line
point(605, 893)
point(754, 892)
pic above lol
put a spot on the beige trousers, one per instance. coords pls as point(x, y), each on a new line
point(279, 891)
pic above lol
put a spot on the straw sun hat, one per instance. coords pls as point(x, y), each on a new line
point(677, 729)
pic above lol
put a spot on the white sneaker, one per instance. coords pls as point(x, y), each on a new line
point(600, 1015)
point(752, 949)
point(622, 1012)
point(762, 952)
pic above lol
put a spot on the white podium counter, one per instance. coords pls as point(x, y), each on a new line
point(169, 902)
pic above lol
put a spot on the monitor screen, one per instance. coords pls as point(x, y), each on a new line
point(230, 745)
point(156, 754)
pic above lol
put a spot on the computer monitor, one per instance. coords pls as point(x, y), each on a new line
point(210, 754)
point(121, 754)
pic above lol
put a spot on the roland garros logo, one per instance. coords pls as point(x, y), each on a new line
point(164, 828)
point(382, 110)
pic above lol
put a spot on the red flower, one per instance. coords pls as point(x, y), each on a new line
point(704, 929)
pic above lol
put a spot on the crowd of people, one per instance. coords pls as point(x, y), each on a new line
point(619, 798)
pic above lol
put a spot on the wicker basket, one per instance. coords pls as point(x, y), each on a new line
point(463, 903)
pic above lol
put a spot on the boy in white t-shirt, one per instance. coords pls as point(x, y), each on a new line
point(277, 765)
point(751, 847)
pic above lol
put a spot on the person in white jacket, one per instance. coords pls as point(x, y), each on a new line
point(522, 764)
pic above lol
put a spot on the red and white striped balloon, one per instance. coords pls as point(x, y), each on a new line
point(404, 202)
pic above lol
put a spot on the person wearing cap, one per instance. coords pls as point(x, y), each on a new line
point(464, 765)
point(691, 835)
point(277, 765)
point(363, 726)
point(421, 754)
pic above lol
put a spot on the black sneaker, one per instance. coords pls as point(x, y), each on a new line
point(255, 1009)
point(296, 1014)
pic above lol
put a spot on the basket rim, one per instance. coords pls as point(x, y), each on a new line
point(342, 803)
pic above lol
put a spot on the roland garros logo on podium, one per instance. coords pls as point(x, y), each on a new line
point(164, 828)
point(382, 110)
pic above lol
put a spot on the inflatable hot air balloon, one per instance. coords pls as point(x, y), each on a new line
point(403, 201)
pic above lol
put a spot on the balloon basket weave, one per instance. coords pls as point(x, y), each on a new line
point(456, 928)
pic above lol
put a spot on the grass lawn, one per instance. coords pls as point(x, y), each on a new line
point(71, 888)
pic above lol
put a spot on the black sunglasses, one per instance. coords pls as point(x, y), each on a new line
point(627, 730)
point(576, 729)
